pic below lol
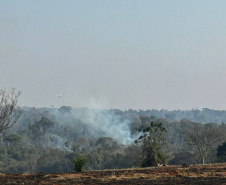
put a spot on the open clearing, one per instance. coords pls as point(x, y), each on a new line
point(194, 174)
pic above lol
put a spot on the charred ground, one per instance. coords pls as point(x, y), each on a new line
point(194, 174)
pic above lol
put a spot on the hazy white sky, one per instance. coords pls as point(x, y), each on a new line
point(139, 54)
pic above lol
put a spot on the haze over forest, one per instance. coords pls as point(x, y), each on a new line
point(48, 139)
point(115, 54)
point(121, 84)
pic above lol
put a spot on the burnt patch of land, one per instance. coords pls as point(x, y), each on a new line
point(194, 174)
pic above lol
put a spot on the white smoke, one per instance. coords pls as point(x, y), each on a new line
point(110, 124)
point(100, 123)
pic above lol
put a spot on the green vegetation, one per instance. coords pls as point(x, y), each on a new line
point(221, 152)
point(48, 140)
point(151, 142)
point(79, 164)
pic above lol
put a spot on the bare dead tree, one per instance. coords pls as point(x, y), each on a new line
point(10, 112)
point(204, 138)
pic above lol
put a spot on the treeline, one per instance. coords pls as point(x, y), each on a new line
point(48, 139)
point(204, 115)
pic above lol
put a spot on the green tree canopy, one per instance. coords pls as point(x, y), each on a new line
point(221, 152)
point(151, 143)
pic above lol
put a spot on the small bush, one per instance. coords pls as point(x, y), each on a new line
point(79, 164)
point(185, 165)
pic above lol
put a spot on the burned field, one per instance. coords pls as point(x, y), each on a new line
point(194, 174)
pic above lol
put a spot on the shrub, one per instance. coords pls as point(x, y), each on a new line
point(79, 164)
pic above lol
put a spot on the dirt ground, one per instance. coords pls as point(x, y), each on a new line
point(194, 174)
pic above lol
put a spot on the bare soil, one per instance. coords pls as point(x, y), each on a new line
point(194, 174)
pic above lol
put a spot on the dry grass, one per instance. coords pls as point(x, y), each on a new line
point(214, 173)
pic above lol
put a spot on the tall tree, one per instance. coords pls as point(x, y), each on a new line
point(151, 143)
point(10, 112)
point(204, 138)
point(221, 152)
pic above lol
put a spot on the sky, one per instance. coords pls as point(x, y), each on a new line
point(146, 54)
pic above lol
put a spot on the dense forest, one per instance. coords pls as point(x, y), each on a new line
point(48, 139)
